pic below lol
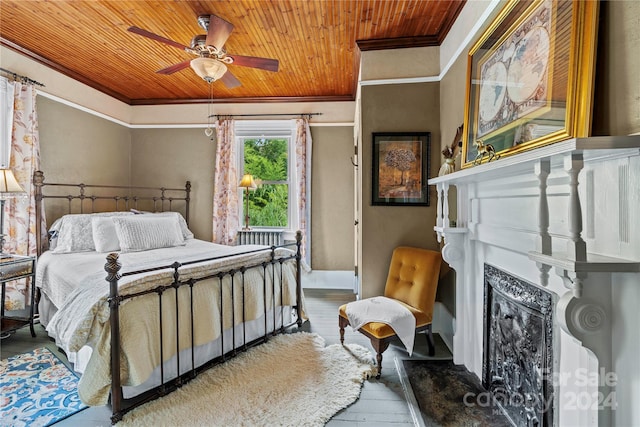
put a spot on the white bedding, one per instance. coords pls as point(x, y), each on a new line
point(75, 283)
point(60, 274)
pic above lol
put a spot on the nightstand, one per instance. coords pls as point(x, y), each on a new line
point(14, 267)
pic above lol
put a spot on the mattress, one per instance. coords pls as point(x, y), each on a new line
point(75, 310)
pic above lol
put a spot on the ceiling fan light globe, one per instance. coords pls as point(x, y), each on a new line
point(208, 69)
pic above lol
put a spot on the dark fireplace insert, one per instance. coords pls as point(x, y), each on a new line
point(517, 366)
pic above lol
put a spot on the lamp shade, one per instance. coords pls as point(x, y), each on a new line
point(9, 186)
point(248, 182)
point(208, 68)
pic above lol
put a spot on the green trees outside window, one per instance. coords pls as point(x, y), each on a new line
point(267, 160)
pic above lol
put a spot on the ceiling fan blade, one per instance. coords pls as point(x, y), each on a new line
point(255, 62)
point(229, 80)
point(219, 31)
point(176, 67)
point(156, 37)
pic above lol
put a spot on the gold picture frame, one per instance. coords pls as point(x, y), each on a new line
point(530, 78)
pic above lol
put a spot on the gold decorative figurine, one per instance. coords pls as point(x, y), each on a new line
point(484, 150)
point(450, 154)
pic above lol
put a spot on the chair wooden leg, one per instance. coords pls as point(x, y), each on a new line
point(343, 323)
point(379, 346)
point(430, 343)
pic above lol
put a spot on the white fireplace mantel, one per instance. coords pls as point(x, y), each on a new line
point(563, 218)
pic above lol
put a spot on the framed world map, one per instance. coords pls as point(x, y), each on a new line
point(528, 77)
point(515, 77)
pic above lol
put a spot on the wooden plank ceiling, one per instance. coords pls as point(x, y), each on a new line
point(317, 43)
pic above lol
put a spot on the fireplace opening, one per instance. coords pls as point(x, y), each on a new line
point(517, 366)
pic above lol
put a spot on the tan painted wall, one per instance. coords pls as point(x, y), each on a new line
point(395, 108)
point(79, 147)
point(170, 157)
point(617, 103)
point(452, 101)
point(400, 63)
point(332, 198)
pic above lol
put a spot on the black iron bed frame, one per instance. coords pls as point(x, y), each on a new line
point(161, 198)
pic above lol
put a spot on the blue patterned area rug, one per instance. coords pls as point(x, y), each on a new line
point(37, 389)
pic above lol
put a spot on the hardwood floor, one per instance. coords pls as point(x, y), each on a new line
point(382, 402)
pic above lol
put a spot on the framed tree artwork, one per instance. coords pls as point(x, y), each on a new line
point(400, 168)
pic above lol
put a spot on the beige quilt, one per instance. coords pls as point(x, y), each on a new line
point(83, 318)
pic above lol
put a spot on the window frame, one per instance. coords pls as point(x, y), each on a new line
point(6, 114)
point(268, 129)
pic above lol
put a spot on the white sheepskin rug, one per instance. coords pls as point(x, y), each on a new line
point(292, 380)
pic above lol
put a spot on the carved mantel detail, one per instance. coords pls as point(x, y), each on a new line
point(453, 250)
point(580, 316)
point(524, 214)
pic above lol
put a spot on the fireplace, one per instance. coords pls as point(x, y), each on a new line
point(562, 217)
point(518, 347)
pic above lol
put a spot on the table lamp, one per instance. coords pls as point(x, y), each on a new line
point(247, 183)
point(9, 188)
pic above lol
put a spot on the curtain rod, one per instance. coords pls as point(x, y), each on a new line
point(23, 79)
point(308, 115)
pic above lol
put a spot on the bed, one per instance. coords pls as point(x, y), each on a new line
point(138, 304)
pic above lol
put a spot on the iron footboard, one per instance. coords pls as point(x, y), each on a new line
point(272, 271)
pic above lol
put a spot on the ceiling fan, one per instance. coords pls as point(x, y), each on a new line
point(211, 63)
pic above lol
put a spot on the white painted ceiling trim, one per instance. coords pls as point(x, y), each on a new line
point(472, 12)
point(405, 80)
point(80, 107)
point(480, 13)
point(159, 125)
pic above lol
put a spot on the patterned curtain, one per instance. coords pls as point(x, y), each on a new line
point(226, 180)
point(303, 174)
point(20, 213)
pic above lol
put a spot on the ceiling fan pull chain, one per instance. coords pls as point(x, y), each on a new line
point(208, 131)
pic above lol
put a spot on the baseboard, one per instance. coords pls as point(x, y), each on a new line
point(443, 324)
point(328, 279)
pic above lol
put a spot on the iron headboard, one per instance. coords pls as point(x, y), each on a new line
point(85, 198)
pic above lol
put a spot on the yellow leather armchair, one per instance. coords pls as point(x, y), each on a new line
point(412, 281)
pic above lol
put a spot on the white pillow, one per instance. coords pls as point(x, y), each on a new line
point(184, 228)
point(137, 233)
point(53, 233)
point(105, 237)
point(75, 233)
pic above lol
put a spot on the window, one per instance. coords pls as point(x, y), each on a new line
point(267, 160)
point(6, 116)
point(265, 149)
